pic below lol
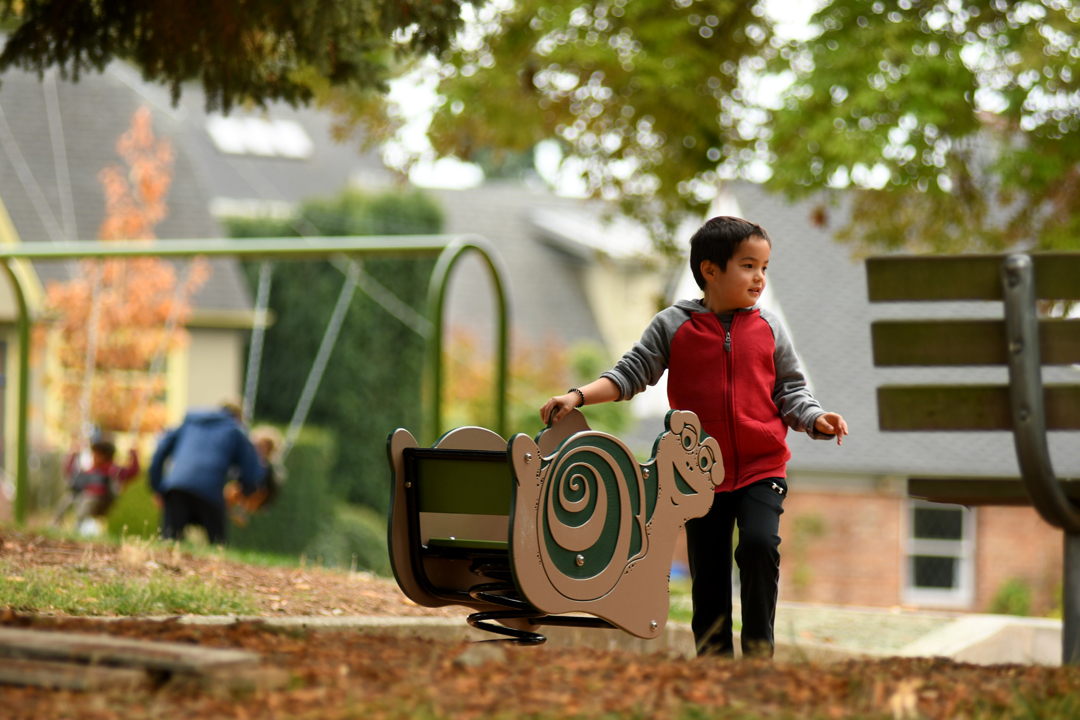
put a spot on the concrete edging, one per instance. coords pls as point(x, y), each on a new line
point(980, 639)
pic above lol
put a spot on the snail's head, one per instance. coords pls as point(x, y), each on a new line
point(693, 455)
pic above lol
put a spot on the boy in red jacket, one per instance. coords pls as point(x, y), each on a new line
point(732, 363)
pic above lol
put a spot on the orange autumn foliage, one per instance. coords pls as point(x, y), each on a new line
point(136, 297)
point(537, 371)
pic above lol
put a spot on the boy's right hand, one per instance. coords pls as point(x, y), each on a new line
point(560, 406)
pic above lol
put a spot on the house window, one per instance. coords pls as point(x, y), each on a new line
point(940, 558)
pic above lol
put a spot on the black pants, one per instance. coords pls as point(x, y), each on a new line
point(183, 509)
point(757, 509)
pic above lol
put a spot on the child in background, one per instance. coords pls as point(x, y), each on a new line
point(93, 490)
point(268, 442)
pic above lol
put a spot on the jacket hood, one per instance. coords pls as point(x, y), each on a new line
point(209, 417)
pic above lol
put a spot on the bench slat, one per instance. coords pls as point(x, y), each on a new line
point(968, 407)
point(979, 491)
point(967, 342)
point(965, 277)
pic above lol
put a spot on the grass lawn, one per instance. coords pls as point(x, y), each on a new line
point(79, 591)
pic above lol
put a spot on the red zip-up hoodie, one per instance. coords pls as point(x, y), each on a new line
point(745, 383)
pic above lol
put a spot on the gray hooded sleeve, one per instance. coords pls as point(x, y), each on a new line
point(644, 364)
point(797, 406)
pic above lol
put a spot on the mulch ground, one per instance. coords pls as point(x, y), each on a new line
point(331, 675)
point(335, 675)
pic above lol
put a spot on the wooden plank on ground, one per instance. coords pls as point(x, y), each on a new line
point(18, 643)
point(967, 342)
point(980, 491)
point(966, 277)
point(69, 676)
point(968, 407)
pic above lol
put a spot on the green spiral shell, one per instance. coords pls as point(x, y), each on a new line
point(590, 515)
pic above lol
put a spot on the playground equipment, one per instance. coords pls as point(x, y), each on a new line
point(448, 249)
point(524, 531)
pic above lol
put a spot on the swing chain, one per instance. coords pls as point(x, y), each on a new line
point(321, 358)
point(258, 334)
point(90, 367)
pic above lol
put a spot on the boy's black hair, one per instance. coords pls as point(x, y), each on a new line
point(717, 240)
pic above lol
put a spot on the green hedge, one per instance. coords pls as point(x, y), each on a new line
point(357, 540)
point(134, 513)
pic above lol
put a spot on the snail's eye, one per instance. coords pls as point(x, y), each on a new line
point(706, 459)
point(689, 438)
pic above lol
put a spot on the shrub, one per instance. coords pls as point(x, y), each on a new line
point(356, 539)
point(1012, 598)
point(46, 481)
point(134, 513)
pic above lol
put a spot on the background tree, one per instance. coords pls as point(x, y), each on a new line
point(258, 51)
point(118, 311)
point(538, 371)
point(649, 97)
point(950, 125)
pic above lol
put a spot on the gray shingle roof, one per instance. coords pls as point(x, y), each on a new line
point(547, 298)
point(822, 290)
point(93, 113)
point(330, 168)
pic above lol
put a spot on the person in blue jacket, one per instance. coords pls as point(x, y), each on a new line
point(203, 450)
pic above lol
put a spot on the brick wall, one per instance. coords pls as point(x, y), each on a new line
point(841, 549)
point(1014, 542)
point(847, 549)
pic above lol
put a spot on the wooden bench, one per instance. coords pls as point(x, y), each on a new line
point(1022, 340)
point(526, 531)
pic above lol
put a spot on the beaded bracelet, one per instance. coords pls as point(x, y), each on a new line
point(580, 394)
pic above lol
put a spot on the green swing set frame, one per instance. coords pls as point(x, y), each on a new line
point(449, 249)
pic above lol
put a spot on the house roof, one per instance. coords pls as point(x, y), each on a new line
point(546, 294)
point(91, 116)
point(545, 243)
point(816, 284)
point(822, 290)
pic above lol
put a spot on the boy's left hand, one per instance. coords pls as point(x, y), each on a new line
point(832, 424)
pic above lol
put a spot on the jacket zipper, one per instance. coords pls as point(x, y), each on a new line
point(731, 398)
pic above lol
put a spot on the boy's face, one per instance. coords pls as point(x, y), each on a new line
point(741, 284)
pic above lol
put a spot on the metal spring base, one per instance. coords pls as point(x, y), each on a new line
point(502, 593)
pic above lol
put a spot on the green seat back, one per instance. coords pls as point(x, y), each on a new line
point(473, 483)
point(465, 485)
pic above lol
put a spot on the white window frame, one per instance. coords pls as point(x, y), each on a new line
point(962, 550)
